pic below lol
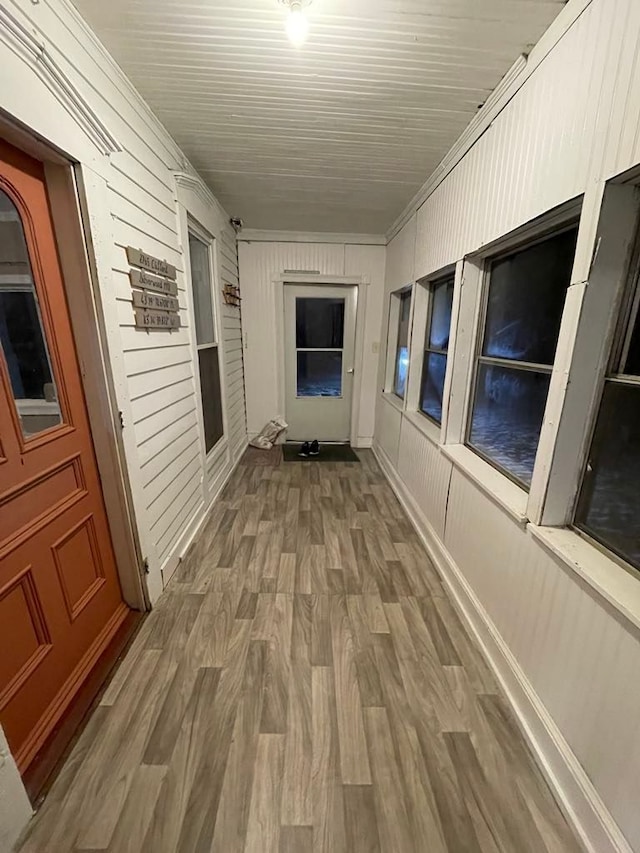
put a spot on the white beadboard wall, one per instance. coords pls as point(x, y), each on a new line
point(137, 205)
point(261, 263)
point(573, 124)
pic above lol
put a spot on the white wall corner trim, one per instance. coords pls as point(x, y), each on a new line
point(570, 783)
point(24, 43)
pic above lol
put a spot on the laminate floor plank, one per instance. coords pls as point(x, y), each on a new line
point(304, 684)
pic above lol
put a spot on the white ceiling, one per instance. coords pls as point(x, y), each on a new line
point(336, 136)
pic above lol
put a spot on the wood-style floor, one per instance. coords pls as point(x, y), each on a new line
point(303, 685)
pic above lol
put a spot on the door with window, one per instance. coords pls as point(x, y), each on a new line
point(60, 599)
point(319, 355)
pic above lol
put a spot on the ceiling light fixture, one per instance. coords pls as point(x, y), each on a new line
point(297, 24)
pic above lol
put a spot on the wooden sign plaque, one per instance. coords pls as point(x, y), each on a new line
point(156, 320)
point(143, 299)
point(138, 258)
point(141, 279)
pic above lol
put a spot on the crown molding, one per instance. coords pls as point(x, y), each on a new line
point(33, 50)
point(256, 235)
point(505, 91)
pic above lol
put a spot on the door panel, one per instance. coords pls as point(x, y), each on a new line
point(60, 599)
point(319, 354)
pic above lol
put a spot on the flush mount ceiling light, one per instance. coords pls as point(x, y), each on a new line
point(297, 24)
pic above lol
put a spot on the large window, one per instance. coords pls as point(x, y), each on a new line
point(208, 363)
point(436, 346)
point(402, 346)
point(609, 504)
point(524, 300)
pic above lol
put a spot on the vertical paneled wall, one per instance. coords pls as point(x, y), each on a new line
point(573, 124)
point(263, 263)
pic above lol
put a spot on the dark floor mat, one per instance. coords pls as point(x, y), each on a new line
point(328, 453)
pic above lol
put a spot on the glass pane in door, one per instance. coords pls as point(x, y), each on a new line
point(319, 374)
point(21, 334)
point(319, 323)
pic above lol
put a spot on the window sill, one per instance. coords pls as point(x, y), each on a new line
point(495, 485)
point(607, 577)
point(424, 426)
point(393, 400)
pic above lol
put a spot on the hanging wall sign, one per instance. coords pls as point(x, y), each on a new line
point(144, 280)
point(154, 302)
point(143, 299)
point(138, 258)
point(148, 319)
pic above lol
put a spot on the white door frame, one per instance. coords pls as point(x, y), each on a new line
point(361, 305)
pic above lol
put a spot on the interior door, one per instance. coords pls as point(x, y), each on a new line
point(60, 599)
point(319, 354)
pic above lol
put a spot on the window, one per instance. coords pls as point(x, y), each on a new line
point(436, 345)
point(524, 300)
point(208, 364)
point(609, 504)
point(402, 346)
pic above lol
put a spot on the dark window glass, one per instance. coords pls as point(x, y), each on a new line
point(526, 297)
point(433, 371)
point(319, 323)
point(208, 363)
point(211, 396)
point(434, 364)
point(22, 338)
point(507, 417)
point(319, 374)
point(402, 348)
point(525, 301)
point(609, 505)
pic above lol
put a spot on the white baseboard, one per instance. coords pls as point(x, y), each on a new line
point(364, 442)
point(573, 789)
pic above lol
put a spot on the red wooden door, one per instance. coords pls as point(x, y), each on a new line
point(60, 599)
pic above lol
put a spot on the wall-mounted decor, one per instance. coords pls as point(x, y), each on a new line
point(231, 295)
point(155, 291)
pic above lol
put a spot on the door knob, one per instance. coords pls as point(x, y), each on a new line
point(350, 370)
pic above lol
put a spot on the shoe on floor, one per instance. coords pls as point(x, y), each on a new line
point(314, 449)
point(305, 449)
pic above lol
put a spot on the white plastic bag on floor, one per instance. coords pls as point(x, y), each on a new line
point(269, 434)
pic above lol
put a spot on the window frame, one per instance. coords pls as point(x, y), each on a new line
point(430, 286)
point(627, 314)
point(195, 229)
point(393, 334)
point(405, 296)
point(511, 245)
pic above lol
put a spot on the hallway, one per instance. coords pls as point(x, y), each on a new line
point(303, 684)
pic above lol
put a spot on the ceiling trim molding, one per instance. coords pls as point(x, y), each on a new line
point(499, 99)
point(196, 185)
point(255, 235)
point(31, 49)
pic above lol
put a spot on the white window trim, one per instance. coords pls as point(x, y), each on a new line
point(422, 297)
point(393, 319)
point(196, 229)
point(198, 211)
point(469, 333)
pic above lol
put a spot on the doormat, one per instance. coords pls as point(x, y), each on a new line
point(328, 453)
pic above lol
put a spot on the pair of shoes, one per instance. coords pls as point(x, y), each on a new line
point(310, 449)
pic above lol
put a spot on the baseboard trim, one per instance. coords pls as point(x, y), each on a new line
point(574, 791)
